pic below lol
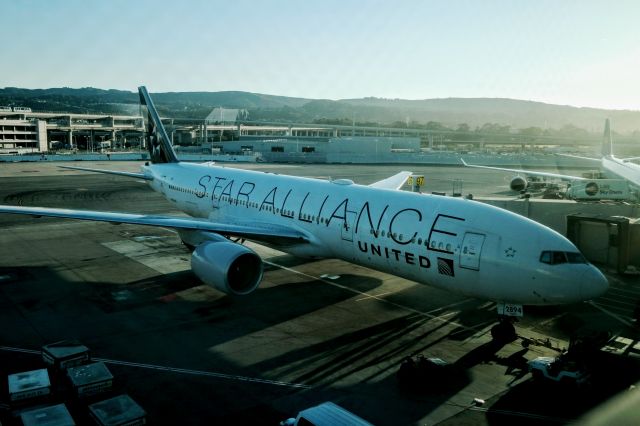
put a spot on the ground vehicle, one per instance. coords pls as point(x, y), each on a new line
point(325, 414)
point(421, 371)
point(559, 369)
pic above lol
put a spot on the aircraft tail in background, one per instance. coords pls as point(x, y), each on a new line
point(607, 149)
point(156, 138)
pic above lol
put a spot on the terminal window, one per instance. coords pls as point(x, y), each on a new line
point(277, 149)
point(308, 149)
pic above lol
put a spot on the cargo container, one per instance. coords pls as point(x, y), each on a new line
point(90, 379)
point(29, 384)
point(64, 354)
point(55, 415)
point(118, 411)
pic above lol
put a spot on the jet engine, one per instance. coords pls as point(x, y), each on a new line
point(518, 183)
point(227, 266)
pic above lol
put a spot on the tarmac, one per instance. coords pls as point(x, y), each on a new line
point(314, 331)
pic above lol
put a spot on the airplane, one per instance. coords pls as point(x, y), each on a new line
point(617, 167)
point(453, 244)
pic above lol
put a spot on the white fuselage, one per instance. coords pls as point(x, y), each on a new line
point(450, 243)
point(621, 168)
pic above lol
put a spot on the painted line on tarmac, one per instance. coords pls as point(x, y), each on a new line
point(451, 305)
point(524, 414)
point(611, 314)
point(176, 370)
point(371, 297)
point(440, 318)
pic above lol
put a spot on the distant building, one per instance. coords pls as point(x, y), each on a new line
point(225, 115)
point(318, 149)
point(19, 136)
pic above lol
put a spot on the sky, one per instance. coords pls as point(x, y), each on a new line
point(581, 53)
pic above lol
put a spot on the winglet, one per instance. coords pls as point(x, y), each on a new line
point(607, 149)
point(464, 162)
point(393, 182)
point(156, 138)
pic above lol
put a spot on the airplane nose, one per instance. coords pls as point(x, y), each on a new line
point(593, 284)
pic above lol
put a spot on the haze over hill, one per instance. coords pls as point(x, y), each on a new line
point(450, 112)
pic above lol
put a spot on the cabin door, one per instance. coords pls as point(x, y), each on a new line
point(471, 250)
point(348, 226)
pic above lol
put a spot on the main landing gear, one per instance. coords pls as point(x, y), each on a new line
point(189, 247)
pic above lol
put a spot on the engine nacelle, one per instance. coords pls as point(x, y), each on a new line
point(518, 183)
point(227, 266)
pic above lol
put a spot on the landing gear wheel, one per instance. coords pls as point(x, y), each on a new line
point(504, 332)
point(238, 240)
point(189, 246)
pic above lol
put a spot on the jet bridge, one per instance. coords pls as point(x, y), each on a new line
point(603, 239)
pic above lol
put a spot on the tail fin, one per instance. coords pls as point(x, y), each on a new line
point(156, 138)
point(607, 149)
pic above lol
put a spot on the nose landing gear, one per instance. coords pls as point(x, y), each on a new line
point(504, 331)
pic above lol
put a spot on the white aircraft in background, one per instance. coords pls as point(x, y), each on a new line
point(453, 244)
point(617, 167)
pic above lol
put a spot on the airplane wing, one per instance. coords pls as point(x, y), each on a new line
point(258, 232)
point(582, 158)
point(110, 172)
point(528, 172)
point(393, 182)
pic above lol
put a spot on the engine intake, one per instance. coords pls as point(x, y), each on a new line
point(518, 183)
point(227, 266)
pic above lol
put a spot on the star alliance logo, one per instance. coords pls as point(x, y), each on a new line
point(510, 252)
point(445, 267)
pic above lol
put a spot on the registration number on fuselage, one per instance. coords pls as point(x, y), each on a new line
point(510, 310)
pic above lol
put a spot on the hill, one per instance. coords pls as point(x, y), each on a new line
point(449, 112)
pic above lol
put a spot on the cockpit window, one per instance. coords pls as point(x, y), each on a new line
point(558, 257)
point(575, 258)
point(545, 257)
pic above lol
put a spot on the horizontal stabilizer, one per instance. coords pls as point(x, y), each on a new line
point(110, 172)
point(393, 182)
